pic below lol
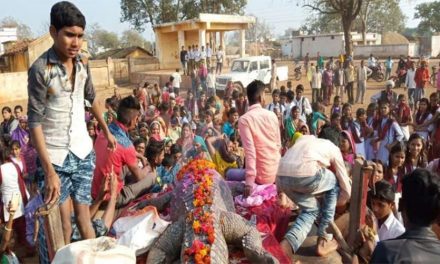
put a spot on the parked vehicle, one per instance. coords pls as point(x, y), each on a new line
point(377, 73)
point(245, 70)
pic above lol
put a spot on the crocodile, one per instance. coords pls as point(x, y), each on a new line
point(202, 228)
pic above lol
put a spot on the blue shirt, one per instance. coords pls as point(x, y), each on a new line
point(228, 129)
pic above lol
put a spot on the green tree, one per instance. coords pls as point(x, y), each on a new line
point(142, 12)
point(23, 30)
point(99, 39)
point(375, 16)
point(131, 38)
point(429, 15)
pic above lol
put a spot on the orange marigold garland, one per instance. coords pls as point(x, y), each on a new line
point(198, 175)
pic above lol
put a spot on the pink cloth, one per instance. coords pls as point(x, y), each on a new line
point(438, 80)
point(260, 193)
point(261, 144)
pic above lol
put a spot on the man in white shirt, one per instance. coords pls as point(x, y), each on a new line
point(196, 54)
point(203, 55)
point(410, 83)
point(219, 56)
point(382, 204)
point(210, 82)
point(176, 80)
point(372, 62)
point(303, 173)
point(362, 74)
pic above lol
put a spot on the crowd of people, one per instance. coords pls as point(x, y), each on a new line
point(106, 160)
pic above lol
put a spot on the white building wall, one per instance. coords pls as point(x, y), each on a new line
point(7, 34)
point(383, 51)
point(435, 46)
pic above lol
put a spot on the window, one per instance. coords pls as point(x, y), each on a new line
point(264, 64)
point(239, 66)
point(254, 66)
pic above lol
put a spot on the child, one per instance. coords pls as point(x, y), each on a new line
point(396, 168)
point(403, 115)
point(422, 117)
point(416, 156)
point(175, 129)
point(210, 82)
point(167, 171)
point(229, 126)
point(241, 104)
point(379, 169)
point(371, 119)
point(383, 205)
point(359, 129)
point(336, 107)
point(11, 184)
point(16, 157)
point(316, 83)
point(386, 133)
point(318, 118)
point(348, 148)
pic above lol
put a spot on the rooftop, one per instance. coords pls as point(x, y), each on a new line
point(119, 53)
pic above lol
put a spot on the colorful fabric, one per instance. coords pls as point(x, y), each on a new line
point(260, 193)
point(221, 165)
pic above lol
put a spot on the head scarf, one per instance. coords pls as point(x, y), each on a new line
point(193, 154)
point(20, 134)
point(294, 138)
point(349, 157)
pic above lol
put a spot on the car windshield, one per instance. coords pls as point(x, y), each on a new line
point(240, 66)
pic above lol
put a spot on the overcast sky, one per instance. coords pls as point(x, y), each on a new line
point(279, 14)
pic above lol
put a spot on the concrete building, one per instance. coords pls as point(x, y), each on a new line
point(7, 34)
point(329, 44)
point(170, 37)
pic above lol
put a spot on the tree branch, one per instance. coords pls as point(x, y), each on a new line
point(315, 8)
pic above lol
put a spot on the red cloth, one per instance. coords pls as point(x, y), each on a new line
point(106, 160)
point(421, 77)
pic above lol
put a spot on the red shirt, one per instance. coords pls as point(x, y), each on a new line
point(125, 154)
point(421, 77)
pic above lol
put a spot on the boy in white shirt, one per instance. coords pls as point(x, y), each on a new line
point(177, 79)
point(382, 204)
point(210, 82)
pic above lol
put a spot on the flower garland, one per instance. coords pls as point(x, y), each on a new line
point(198, 175)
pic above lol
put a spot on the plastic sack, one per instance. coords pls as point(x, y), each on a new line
point(95, 251)
point(139, 232)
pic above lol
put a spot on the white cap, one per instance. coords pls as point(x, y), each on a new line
point(389, 83)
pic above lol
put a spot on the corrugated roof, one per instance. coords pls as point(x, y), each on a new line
point(120, 53)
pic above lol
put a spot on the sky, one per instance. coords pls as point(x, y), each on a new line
point(279, 14)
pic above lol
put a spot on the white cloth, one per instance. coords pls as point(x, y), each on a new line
point(308, 155)
point(220, 56)
point(210, 80)
point(316, 80)
point(391, 228)
point(9, 187)
point(410, 83)
point(177, 79)
point(98, 250)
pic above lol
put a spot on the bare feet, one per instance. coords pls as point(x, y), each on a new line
point(287, 249)
point(325, 247)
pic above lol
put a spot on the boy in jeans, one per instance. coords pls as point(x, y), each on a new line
point(59, 82)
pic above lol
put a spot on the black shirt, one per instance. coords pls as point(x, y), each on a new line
point(183, 55)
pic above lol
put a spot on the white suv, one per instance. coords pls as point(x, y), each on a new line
point(245, 70)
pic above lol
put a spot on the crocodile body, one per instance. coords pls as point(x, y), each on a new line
point(228, 227)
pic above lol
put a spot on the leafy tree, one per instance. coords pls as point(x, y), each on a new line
point(99, 39)
point(347, 10)
point(23, 30)
point(429, 15)
point(141, 12)
point(131, 38)
point(375, 16)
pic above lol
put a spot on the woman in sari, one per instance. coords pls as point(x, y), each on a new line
point(199, 150)
point(186, 139)
point(222, 157)
point(21, 133)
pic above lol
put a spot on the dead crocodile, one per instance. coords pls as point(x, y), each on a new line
point(204, 222)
